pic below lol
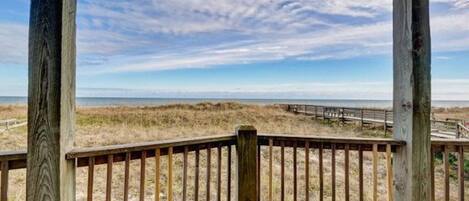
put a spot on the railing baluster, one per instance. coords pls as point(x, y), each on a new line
point(170, 174)
point(389, 174)
point(4, 181)
point(110, 160)
point(259, 172)
point(307, 171)
point(271, 144)
point(157, 174)
point(321, 174)
point(461, 172)
point(446, 170)
point(346, 170)
point(295, 181)
point(90, 179)
point(375, 172)
point(126, 176)
point(432, 172)
point(360, 173)
point(333, 172)
point(282, 171)
point(196, 177)
point(184, 174)
point(209, 156)
point(228, 182)
point(142, 175)
point(219, 173)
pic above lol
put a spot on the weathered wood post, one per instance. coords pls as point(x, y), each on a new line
point(361, 119)
point(385, 122)
point(412, 99)
point(247, 163)
point(51, 100)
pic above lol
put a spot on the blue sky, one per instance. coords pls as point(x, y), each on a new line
point(240, 48)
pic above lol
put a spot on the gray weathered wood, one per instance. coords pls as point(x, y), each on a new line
point(412, 95)
point(51, 102)
point(246, 154)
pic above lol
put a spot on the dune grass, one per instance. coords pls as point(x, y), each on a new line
point(97, 126)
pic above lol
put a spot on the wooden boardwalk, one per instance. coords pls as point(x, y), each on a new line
point(446, 129)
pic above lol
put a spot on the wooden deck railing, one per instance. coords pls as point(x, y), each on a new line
point(447, 149)
point(291, 157)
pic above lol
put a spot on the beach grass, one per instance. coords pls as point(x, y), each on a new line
point(96, 126)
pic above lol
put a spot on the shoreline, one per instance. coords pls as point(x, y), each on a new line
point(100, 102)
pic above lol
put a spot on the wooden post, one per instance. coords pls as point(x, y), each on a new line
point(51, 100)
point(315, 112)
point(385, 123)
point(361, 119)
point(412, 99)
point(247, 163)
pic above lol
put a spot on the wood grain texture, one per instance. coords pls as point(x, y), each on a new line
point(51, 100)
point(247, 159)
point(411, 101)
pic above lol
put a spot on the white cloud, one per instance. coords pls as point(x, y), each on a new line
point(13, 43)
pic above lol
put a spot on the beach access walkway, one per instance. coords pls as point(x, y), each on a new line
point(447, 129)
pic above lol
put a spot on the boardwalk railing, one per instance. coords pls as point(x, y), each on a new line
point(8, 124)
point(440, 128)
point(285, 167)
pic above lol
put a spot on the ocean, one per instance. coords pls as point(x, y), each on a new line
point(102, 102)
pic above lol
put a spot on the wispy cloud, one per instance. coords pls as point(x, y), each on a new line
point(152, 35)
point(13, 43)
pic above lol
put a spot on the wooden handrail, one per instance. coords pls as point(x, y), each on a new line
point(132, 147)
